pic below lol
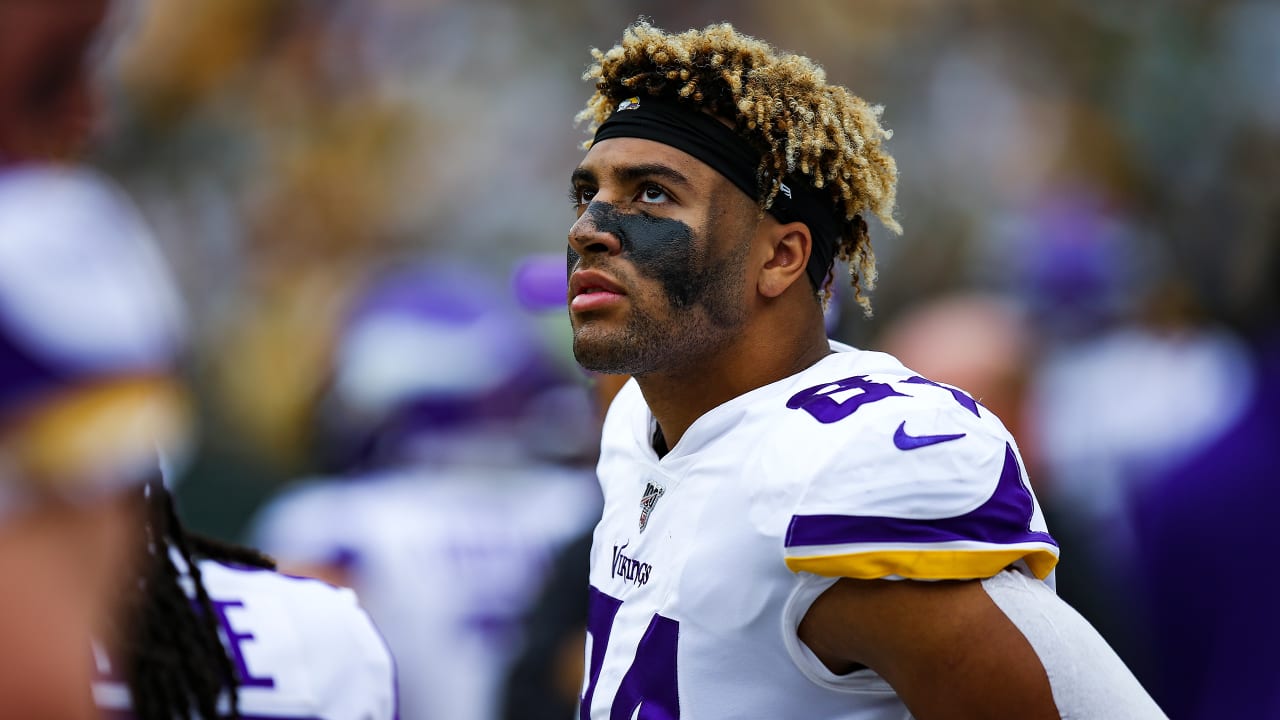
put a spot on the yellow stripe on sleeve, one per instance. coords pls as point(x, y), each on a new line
point(925, 564)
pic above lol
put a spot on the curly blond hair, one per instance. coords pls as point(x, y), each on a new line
point(782, 105)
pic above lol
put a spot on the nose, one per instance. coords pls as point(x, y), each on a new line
point(591, 235)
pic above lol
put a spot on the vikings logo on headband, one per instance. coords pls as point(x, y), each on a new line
point(701, 135)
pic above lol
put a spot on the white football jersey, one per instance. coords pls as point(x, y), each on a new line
point(304, 650)
point(707, 559)
point(447, 560)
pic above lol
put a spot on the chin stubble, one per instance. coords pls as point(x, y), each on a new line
point(704, 296)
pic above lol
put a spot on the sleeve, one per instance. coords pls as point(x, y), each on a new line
point(1086, 676)
point(355, 671)
point(924, 488)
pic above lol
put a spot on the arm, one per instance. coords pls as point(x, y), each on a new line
point(1006, 646)
point(942, 517)
point(945, 647)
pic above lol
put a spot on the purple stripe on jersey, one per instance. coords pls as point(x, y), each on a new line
point(651, 685)
point(965, 400)
point(602, 609)
point(1003, 519)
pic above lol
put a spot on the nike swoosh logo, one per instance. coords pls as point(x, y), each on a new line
point(903, 441)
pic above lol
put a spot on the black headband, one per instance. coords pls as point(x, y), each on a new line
point(701, 135)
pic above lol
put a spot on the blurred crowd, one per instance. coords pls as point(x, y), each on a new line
point(1090, 197)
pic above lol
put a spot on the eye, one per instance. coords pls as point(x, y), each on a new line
point(579, 196)
point(653, 194)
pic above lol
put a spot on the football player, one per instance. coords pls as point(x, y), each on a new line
point(82, 377)
point(248, 642)
point(792, 527)
point(90, 328)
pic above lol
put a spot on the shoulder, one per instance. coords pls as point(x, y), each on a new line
point(897, 433)
point(247, 580)
point(891, 464)
point(311, 604)
point(862, 413)
point(313, 627)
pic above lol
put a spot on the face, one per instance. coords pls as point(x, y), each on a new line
point(657, 259)
point(46, 103)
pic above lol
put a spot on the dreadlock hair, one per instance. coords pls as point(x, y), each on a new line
point(174, 660)
point(782, 105)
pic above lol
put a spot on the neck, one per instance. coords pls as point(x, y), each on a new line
point(678, 397)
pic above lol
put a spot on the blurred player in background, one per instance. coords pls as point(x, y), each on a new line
point(89, 327)
point(90, 332)
point(792, 527)
point(1214, 511)
point(86, 334)
point(461, 449)
point(207, 630)
point(1204, 527)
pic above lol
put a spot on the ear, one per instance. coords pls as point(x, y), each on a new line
point(787, 247)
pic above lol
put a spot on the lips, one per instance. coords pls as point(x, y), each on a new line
point(592, 290)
